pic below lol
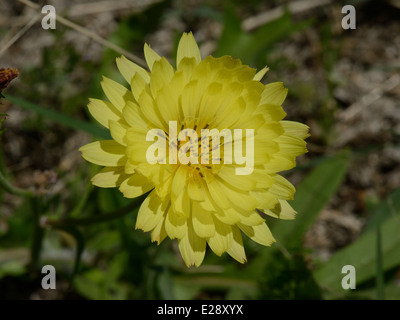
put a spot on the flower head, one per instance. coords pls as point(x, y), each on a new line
point(181, 133)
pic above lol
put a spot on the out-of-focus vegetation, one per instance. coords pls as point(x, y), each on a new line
point(346, 217)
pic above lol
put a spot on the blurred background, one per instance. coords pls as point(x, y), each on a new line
point(344, 84)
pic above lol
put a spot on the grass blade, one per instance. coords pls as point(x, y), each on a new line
point(360, 255)
point(380, 295)
point(311, 196)
point(60, 118)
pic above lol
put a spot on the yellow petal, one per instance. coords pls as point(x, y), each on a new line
point(274, 93)
point(265, 199)
point(128, 69)
point(287, 212)
point(194, 190)
point(103, 111)
point(282, 211)
point(207, 96)
point(253, 121)
point(260, 234)
point(133, 117)
point(175, 224)
point(118, 132)
point(181, 204)
point(189, 100)
point(177, 83)
point(138, 85)
point(271, 111)
point(203, 222)
point(228, 216)
point(109, 177)
point(104, 153)
point(236, 196)
point(150, 55)
point(207, 204)
point(218, 195)
point(250, 218)
point(137, 152)
point(260, 74)
point(280, 162)
point(164, 188)
point(270, 130)
point(228, 113)
point(222, 239)
point(167, 102)
point(282, 188)
point(149, 111)
point(242, 72)
point(296, 129)
point(116, 93)
point(159, 234)
point(264, 148)
point(130, 167)
point(179, 182)
point(291, 144)
point(146, 169)
point(150, 213)
point(161, 173)
point(187, 47)
point(192, 247)
point(161, 75)
point(264, 180)
point(236, 251)
point(135, 186)
point(186, 66)
point(243, 182)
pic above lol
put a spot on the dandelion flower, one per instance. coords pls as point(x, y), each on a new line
point(204, 199)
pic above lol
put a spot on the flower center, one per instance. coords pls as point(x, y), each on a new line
point(198, 147)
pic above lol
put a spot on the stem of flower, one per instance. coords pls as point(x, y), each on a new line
point(38, 233)
point(68, 222)
point(284, 251)
point(7, 186)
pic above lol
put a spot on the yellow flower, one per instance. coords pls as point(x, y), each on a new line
point(205, 200)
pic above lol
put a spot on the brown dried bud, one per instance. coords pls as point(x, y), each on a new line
point(6, 76)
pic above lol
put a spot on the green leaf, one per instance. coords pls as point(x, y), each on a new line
point(60, 118)
point(103, 283)
point(361, 254)
point(392, 292)
point(252, 48)
point(312, 195)
point(288, 279)
point(91, 284)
